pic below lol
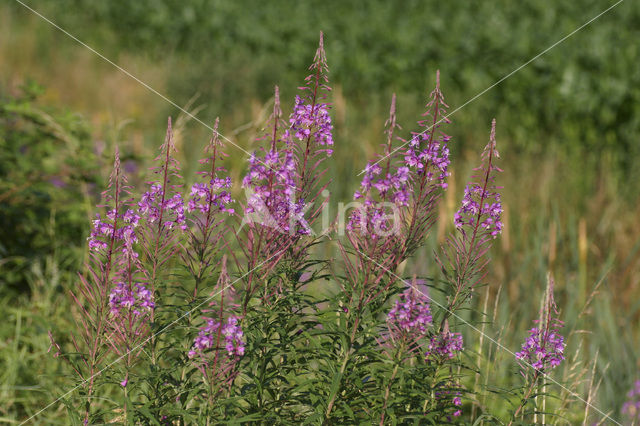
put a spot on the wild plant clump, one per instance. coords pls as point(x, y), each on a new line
point(197, 308)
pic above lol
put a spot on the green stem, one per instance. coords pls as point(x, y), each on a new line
point(334, 394)
point(526, 397)
point(387, 391)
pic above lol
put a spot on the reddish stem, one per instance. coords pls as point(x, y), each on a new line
point(100, 308)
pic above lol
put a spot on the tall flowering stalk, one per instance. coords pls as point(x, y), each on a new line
point(465, 253)
point(311, 134)
point(112, 237)
point(478, 223)
point(271, 183)
point(543, 349)
point(162, 220)
point(284, 182)
point(373, 227)
point(209, 203)
point(219, 344)
point(311, 127)
point(273, 217)
point(407, 323)
point(373, 233)
point(285, 195)
point(131, 306)
point(367, 223)
point(398, 197)
point(427, 158)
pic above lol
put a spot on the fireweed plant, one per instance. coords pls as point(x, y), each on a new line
point(542, 351)
point(194, 308)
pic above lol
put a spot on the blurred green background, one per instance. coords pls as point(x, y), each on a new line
point(568, 131)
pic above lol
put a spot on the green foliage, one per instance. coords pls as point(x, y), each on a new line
point(583, 92)
point(47, 174)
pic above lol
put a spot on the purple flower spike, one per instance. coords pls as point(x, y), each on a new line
point(407, 322)
point(410, 314)
point(151, 206)
point(138, 300)
point(449, 397)
point(115, 230)
point(233, 337)
point(385, 184)
point(272, 199)
point(124, 225)
point(481, 208)
point(544, 348)
point(312, 121)
point(162, 204)
point(478, 222)
point(428, 151)
point(443, 346)
point(212, 195)
point(208, 335)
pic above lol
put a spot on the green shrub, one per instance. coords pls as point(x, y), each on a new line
point(47, 174)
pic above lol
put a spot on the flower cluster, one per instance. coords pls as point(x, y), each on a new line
point(391, 185)
point(272, 181)
point(209, 334)
point(171, 210)
point(374, 219)
point(410, 314)
point(631, 407)
point(103, 230)
point(424, 151)
point(445, 397)
point(311, 121)
point(213, 195)
point(137, 300)
point(457, 401)
point(428, 152)
point(544, 348)
point(481, 207)
point(445, 345)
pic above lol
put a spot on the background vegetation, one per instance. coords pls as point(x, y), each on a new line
point(568, 131)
